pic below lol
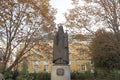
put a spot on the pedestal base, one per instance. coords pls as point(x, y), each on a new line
point(60, 72)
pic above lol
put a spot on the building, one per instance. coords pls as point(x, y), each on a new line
point(41, 59)
point(80, 59)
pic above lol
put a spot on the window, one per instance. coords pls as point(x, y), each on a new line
point(82, 52)
point(83, 67)
point(36, 66)
point(46, 66)
point(25, 65)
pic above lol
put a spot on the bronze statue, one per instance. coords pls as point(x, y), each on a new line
point(60, 47)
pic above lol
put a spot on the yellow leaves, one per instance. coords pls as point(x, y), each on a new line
point(22, 1)
point(44, 7)
point(79, 37)
point(22, 21)
point(75, 2)
point(44, 10)
point(43, 48)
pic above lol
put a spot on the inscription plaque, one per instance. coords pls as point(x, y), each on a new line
point(60, 71)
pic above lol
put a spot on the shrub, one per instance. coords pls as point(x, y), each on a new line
point(80, 75)
point(34, 76)
point(113, 75)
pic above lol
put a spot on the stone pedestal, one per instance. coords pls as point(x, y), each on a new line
point(60, 72)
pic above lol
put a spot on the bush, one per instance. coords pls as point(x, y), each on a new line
point(8, 75)
point(79, 75)
point(12, 75)
point(34, 76)
point(40, 76)
point(112, 75)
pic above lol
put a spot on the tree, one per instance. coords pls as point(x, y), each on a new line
point(112, 19)
point(84, 18)
point(94, 15)
point(22, 22)
point(103, 51)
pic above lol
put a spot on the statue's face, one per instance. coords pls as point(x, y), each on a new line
point(60, 28)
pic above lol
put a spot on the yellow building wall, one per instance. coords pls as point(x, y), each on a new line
point(76, 65)
point(76, 59)
point(41, 65)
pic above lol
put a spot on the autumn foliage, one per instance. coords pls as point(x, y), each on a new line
point(23, 22)
point(91, 16)
point(104, 52)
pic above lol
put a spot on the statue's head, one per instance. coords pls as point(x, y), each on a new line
point(60, 28)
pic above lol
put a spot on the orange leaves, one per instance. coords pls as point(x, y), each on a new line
point(22, 24)
point(75, 2)
point(79, 37)
point(44, 7)
point(103, 49)
point(22, 1)
point(26, 1)
point(44, 10)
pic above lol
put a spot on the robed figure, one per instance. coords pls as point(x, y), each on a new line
point(60, 48)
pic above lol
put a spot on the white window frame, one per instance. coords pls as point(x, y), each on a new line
point(36, 66)
point(82, 52)
point(83, 68)
point(46, 66)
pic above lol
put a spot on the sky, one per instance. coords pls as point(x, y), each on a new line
point(62, 6)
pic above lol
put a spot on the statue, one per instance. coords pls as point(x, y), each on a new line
point(60, 48)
